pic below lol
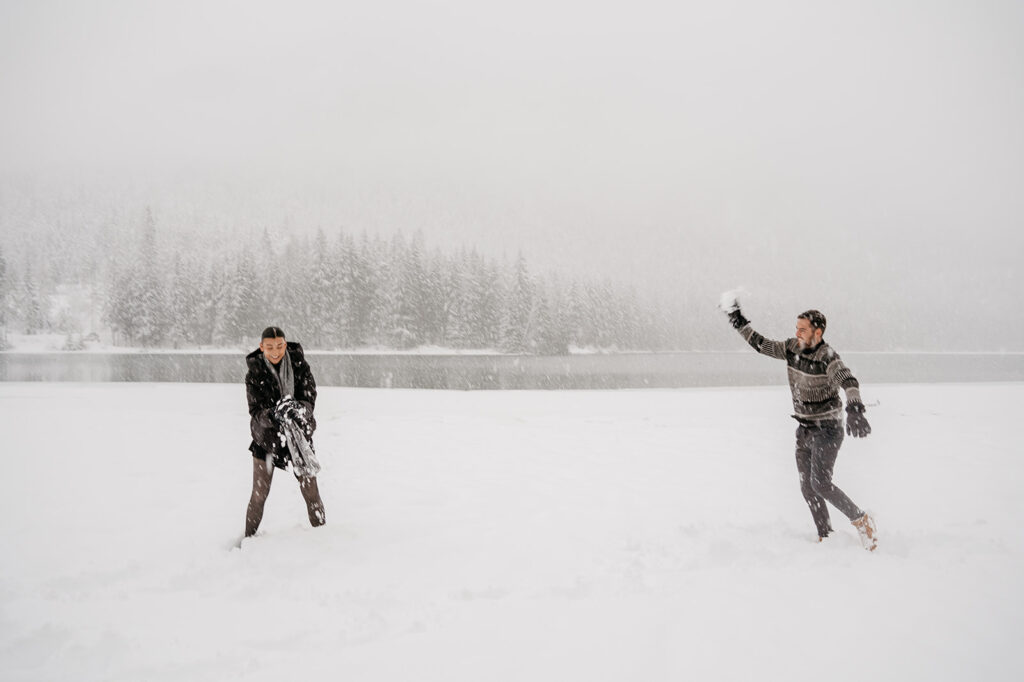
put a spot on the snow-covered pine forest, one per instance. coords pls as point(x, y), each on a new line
point(136, 282)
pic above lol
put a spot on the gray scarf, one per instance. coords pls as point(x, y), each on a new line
point(285, 377)
point(304, 461)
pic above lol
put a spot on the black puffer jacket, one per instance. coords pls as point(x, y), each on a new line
point(263, 392)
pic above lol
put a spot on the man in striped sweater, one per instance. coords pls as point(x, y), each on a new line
point(816, 373)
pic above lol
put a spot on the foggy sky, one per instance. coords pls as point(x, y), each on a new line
point(847, 156)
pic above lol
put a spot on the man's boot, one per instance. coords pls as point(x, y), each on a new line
point(865, 526)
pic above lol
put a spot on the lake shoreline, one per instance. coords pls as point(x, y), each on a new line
point(496, 372)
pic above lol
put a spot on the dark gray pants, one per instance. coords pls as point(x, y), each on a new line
point(262, 476)
point(817, 448)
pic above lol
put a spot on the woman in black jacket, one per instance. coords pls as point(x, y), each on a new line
point(281, 392)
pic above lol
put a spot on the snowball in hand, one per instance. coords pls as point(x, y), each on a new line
point(730, 300)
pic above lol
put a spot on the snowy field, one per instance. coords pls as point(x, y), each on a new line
point(633, 535)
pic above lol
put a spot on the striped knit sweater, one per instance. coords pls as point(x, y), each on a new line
point(815, 376)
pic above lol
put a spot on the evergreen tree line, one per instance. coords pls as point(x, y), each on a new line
point(341, 292)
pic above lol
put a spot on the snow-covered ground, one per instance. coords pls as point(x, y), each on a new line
point(640, 535)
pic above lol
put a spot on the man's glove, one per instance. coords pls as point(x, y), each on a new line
point(856, 423)
point(730, 305)
point(737, 319)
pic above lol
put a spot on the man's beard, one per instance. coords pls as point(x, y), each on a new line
point(804, 345)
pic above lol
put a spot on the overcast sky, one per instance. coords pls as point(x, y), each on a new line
point(818, 153)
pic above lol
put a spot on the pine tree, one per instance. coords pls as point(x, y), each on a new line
point(5, 300)
point(210, 304)
point(153, 321)
point(422, 292)
point(187, 295)
point(628, 321)
point(292, 285)
point(345, 264)
point(553, 327)
point(31, 306)
point(518, 329)
point(575, 316)
point(488, 300)
point(121, 311)
point(323, 302)
point(599, 325)
point(544, 341)
point(5, 289)
point(364, 295)
point(461, 322)
point(241, 316)
point(381, 291)
point(267, 264)
point(445, 280)
point(410, 310)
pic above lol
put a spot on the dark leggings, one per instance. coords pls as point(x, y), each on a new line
point(262, 476)
point(817, 448)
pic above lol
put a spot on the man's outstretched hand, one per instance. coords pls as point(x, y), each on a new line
point(730, 305)
point(737, 319)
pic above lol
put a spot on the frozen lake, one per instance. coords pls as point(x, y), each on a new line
point(507, 536)
point(628, 370)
